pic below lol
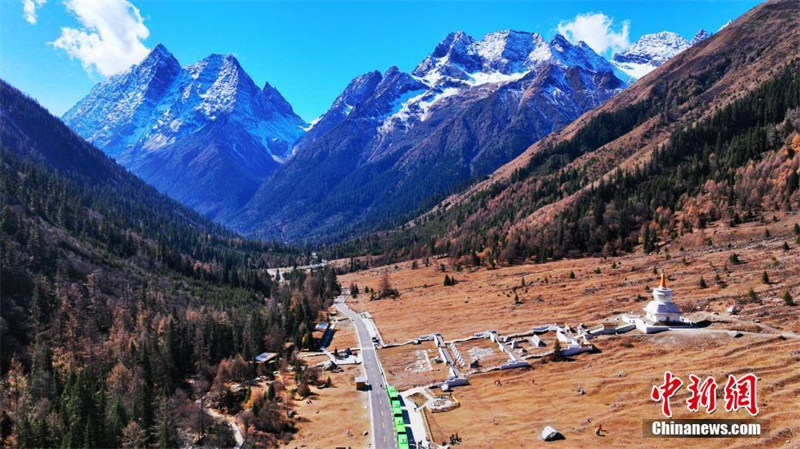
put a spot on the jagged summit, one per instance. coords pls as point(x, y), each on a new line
point(160, 53)
point(207, 135)
point(649, 52)
point(465, 109)
point(190, 130)
point(274, 97)
point(699, 37)
point(501, 56)
point(511, 51)
point(653, 48)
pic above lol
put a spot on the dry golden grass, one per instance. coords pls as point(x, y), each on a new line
point(484, 299)
point(617, 380)
point(344, 337)
point(406, 366)
point(617, 383)
point(325, 422)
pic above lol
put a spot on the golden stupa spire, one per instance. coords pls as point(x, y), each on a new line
point(663, 280)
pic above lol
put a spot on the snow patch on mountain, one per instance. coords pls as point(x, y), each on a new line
point(459, 64)
point(311, 124)
point(157, 103)
point(416, 108)
point(700, 36)
point(481, 78)
point(653, 50)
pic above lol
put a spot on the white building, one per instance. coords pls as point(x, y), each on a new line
point(661, 310)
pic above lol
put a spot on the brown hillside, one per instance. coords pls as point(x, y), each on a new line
point(750, 49)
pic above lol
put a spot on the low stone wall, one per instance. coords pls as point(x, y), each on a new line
point(454, 404)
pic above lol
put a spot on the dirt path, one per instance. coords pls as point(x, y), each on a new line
point(237, 433)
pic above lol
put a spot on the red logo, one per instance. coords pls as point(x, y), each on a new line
point(665, 391)
point(739, 393)
point(703, 394)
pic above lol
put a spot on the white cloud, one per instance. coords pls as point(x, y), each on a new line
point(110, 40)
point(29, 9)
point(597, 30)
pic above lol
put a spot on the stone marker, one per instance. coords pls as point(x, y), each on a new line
point(551, 434)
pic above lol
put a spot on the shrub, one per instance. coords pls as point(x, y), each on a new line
point(448, 281)
point(557, 354)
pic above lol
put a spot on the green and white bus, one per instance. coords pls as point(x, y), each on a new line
point(397, 409)
point(399, 425)
point(402, 441)
point(392, 392)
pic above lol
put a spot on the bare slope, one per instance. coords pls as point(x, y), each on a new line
point(537, 192)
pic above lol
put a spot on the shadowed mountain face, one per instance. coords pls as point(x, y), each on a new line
point(204, 134)
point(393, 142)
point(709, 135)
point(390, 145)
point(101, 270)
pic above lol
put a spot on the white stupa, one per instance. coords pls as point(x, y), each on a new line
point(661, 309)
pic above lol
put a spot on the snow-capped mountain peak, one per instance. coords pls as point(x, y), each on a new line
point(699, 37)
point(512, 51)
point(452, 59)
point(501, 56)
point(467, 108)
point(159, 116)
point(653, 48)
point(581, 55)
point(649, 52)
point(458, 69)
point(159, 55)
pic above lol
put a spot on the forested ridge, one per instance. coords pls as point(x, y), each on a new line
point(640, 205)
point(120, 307)
point(710, 136)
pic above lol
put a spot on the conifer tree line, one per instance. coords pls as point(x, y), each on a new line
point(643, 206)
point(638, 205)
point(120, 309)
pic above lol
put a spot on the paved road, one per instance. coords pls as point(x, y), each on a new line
point(383, 435)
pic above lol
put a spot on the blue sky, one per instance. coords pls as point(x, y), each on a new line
point(308, 50)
